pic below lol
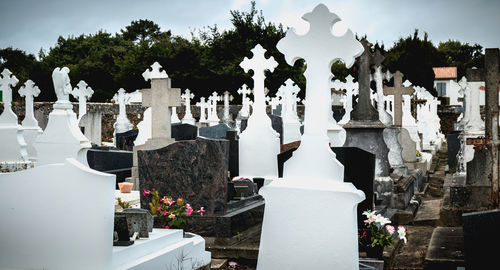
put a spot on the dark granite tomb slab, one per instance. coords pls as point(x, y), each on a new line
point(125, 140)
point(215, 132)
point(195, 170)
point(481, 239)
point(117, 162)
point(183, 132)
point(453, 143)
point(234, 162)
point(276, 122)
point(359, 169)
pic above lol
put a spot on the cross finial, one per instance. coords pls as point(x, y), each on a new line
point(82, 91)
point(155, 72)
point(7, 81)
point(29, 90)
point(398, 91)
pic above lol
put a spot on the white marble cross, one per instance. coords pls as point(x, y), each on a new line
point(155, 72)
point(227, 98)
point(319, 48)
point(7, 81)
point(351, 88)
point(82, 93)
point(245, 105)
point(259, 64)
point(213, 119)
point(188, 116)
point(29, 90)
point(203, 107)
point(122, 123)
point(383, 115)
point(398, 90)
point(288, 93)
point(274, 102)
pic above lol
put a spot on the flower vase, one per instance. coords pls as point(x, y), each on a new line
point(375, 252)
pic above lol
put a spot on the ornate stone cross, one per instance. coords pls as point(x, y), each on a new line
point(29, 90)
point(82, 93)
point(259, 63)
point(161, 97)
point(212, 108)
point(398, 90)
point(188, 116)
point(227, 98)
point(288, 94)
point(203, 107)
point(7, 81)
point(245, 105)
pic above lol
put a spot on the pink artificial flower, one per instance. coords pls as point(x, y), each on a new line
point(171, 216)
point(169, 201)
point(146, 192)
point(390, 229)
point(166, 227)
point(158, 208)
point(189, 211)
point(165, 212)
point(201, 211)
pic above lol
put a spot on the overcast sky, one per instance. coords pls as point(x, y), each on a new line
point(33, 24)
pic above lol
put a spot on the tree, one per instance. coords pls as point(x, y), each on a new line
point(142, 31)
point(461, 55)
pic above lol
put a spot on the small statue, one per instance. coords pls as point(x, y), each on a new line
point(62, 84)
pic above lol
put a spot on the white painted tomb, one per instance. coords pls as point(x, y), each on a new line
point(188, 116)
point(144, 128)
point(122, 123)
point(227, 98)
point(351, 88)
point(259, 144)
point(291, 124)
point(313, 174)
point(245, 102)
point(203, 104)
point(175, 117)
point(30, 127)
point(14, 154)
point(212, 117)
point(62, 137)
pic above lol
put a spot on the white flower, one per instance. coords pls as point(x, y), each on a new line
point(402, 233)
point(369, 214)
point(382, 220)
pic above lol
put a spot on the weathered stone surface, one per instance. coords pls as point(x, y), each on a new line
point(478, 168)
point(139, 220)
point(453, 144)
point(232, 137)
point(446, 249)
point(391, 135)
point(370, 140)
point(183, 132)
point(194, 170)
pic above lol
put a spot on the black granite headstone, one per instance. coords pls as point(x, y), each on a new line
point(215, 132)
point(111, 161)
point(276, 122)
point(359, 169)
point(481, 239)
point(453, 143)
point(183, 132)
point(234, 159)
point(125, 140)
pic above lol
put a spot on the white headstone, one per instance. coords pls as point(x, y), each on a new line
point(383, 115)
point(313, 173)
point(175, 117)
point(62, 137)
point(122, 123)
point(213, 119)
point(203, 108)
point(336, 133)
point(245, 105)
point(474, 123)
point(188, 116)
point(227, 98)
point(31, 130)
point(82, 93)
point(11, 134)
point(291, 124)
point(351, 88)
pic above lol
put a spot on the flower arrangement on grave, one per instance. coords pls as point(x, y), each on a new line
point(378, 233)
point(107, 139)
point(171, 213)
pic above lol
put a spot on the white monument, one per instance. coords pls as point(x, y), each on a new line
point(259, 144)
point(175, 117)
point(245, 101)
point(203, 104)
point(144, 128)
point(383, 115)
point(62, 138)
point(14, 153)
point(30, 127)
point(336, 133)
point(227, 98)
point(122, 123)
point(213, 119)
point(188, 116)
point(313, 174)
point(351, 88)
point(291, 124)
point(82, 93)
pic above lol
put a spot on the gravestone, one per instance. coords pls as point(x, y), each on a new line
point(203, 107)
point(174, 119)
point(245, 105)
point(378, 77)
point(313, 173)
point(276, 123)
point(122, 123)
point(112, 161)
point(182, 132)
point(138, 220)
point(365, 130)
point(453, 144)
point(336, 133)
point(14, 152)
point(144, 128)
point(30, 127)
point(122, 231)
point(212, 118)
point(188, 116)
point(227, 98)
point(351, 88)
point(232, 137)
point(259, 144)
point(479, 227)
point(61, 138)
point(82, 93)
point(125, 140)
point(291, 124)
point(91, 123)
point(215, 132)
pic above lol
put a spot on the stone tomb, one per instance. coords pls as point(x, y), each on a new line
point(197, 170)
point(480, 231)
point(215, 132)
point(183, 132)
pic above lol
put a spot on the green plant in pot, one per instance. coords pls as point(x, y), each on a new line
point(378, 234)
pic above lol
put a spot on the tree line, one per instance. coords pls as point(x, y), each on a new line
point(209, 61)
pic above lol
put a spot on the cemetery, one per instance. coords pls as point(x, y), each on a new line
point(314, 150)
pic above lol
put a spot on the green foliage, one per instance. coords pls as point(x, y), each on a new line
point(461, 55)
point(122, 204)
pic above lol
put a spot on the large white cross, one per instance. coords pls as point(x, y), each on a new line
point(259, 64)
point(227, 98)
point(187, 96)
point(288, 94)
point(212, 107)
point(203, 106)
point(29, 90)
point(245, 105)
point(7, 81)
point(121, 98)
point(351, 89)
point(398, 91)
point(320, 49)
point(82, 93)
